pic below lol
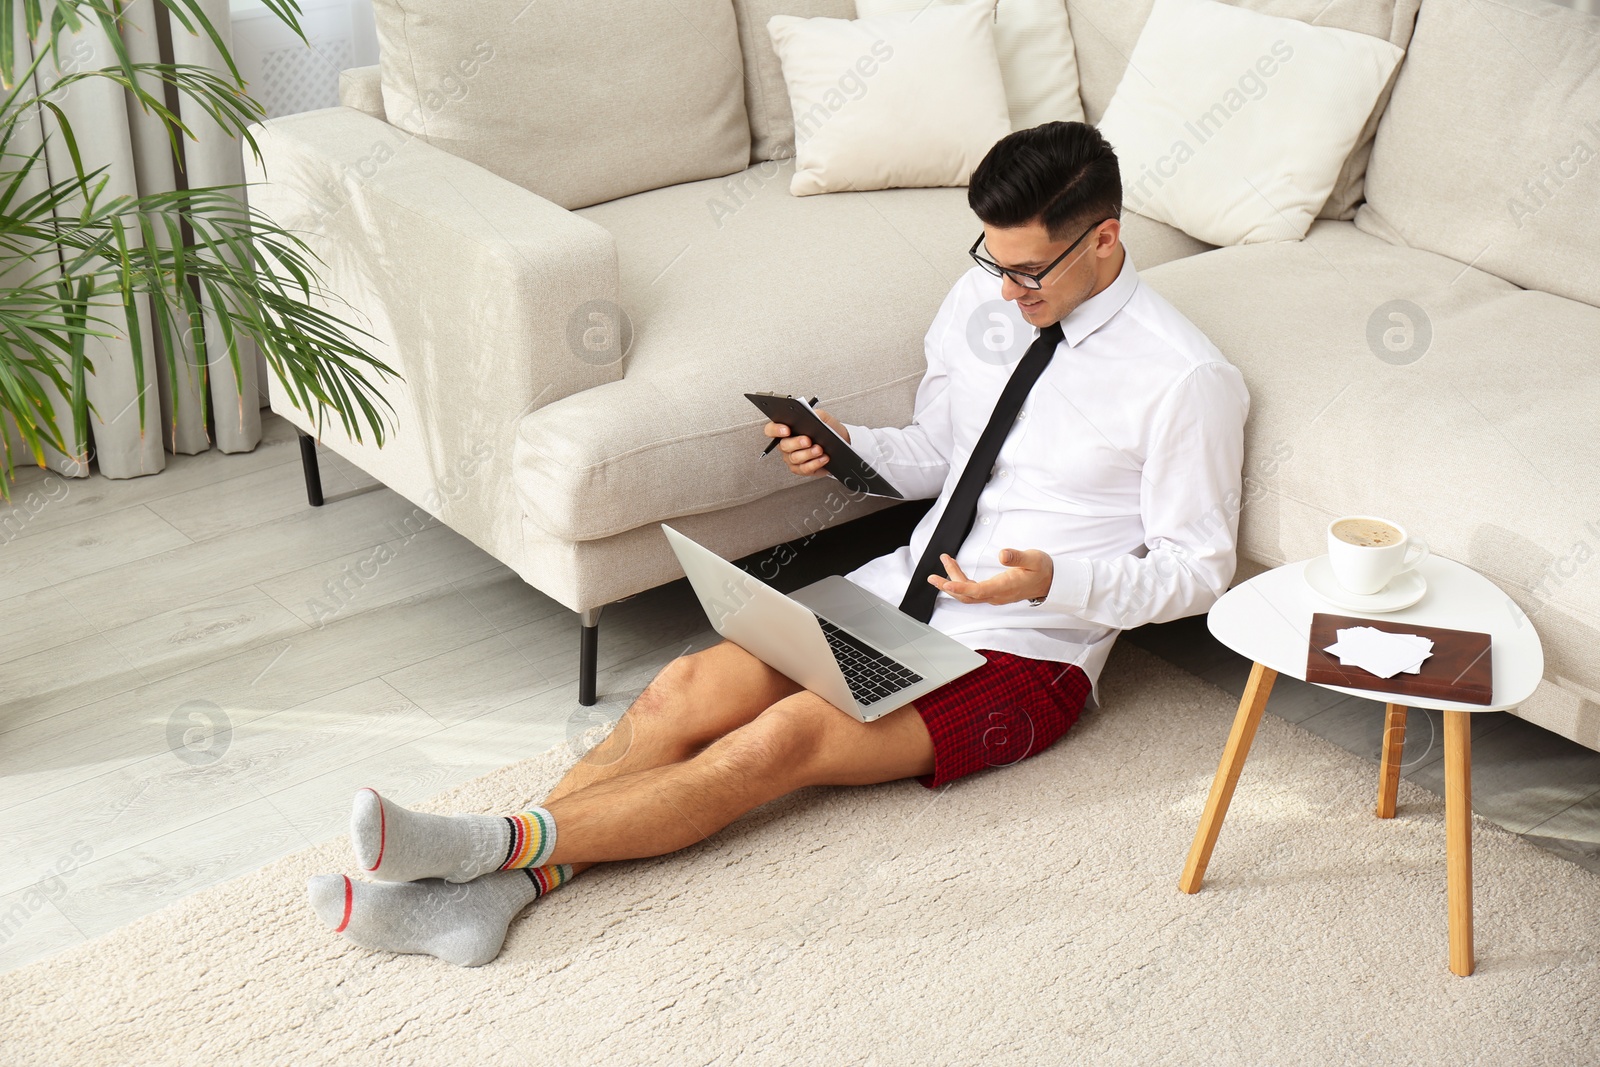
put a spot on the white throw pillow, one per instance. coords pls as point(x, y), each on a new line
point(892, 101)
point(1232, 125)
point(576, 104)
point(1038, 63)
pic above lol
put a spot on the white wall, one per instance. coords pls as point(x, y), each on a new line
point(284, 74)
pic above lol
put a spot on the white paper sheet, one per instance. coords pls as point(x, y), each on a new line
point(1380, 652)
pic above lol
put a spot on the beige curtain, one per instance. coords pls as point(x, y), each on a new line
point(113, 133)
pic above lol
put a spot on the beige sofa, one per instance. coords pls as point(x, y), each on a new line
point(1431, 350)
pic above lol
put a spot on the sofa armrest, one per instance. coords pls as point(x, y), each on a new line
point(361, 88)
point(469, 283)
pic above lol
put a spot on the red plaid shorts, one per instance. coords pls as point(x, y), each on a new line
point(999, 714)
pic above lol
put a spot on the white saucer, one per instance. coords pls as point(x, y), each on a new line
point(1403, 590)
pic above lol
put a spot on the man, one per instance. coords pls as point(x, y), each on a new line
point(1108, 505)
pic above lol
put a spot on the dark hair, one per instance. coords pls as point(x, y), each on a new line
point(1064, 174)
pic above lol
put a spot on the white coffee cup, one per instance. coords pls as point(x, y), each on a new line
point(1369, 551)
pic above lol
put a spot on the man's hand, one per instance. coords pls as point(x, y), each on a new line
point(802, 456)
point(1028, 574)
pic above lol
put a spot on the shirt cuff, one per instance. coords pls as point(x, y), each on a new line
point(865, 443)
point(861, 439)
point(1069, 585)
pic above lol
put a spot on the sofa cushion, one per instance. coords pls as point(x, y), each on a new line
point(1104, 33)
point(1396, 382)
point(1490, 150)
point(823, 295)
point(362, 88)
point(734, 286)
point(903, 100)
point(1246, 146)
point(1034, 42)
point(579, 101)
point(766, 99)
point(1153, 243)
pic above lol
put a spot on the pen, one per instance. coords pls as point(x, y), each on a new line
point(774, 442)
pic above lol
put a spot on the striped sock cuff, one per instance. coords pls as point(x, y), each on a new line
point(532, 839)
point(550, 877)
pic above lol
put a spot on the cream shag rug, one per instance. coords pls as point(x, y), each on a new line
point(1029, 914)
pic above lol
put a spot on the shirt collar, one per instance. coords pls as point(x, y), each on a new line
point(1096, 311)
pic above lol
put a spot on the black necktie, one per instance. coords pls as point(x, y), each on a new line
point(956, 522)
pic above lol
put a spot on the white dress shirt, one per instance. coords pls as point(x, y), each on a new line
point(1125, 466)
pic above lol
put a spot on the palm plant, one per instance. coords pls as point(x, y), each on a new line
point(77, 262)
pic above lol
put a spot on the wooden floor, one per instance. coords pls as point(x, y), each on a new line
point(197, 670)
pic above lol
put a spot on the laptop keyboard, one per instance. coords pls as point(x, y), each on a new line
point(870, 674)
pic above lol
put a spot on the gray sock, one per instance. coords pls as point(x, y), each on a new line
point(393, 844)
point(461, 923)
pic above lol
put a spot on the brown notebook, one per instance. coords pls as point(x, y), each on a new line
point(1458, 669)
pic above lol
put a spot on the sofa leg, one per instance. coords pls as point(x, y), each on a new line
point(308, 461)
point(588, 655)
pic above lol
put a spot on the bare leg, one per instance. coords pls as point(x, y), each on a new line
point(800, 740)
point(694, 700)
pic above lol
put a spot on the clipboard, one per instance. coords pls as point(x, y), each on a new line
point(844, 463)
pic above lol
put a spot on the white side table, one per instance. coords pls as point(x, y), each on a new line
point(1268, 621)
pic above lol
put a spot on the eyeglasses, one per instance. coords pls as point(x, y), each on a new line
point(1023, 278)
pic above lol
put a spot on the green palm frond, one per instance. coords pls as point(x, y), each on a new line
point(78, 263)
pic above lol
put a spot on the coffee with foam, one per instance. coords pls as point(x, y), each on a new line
point(1367, 533)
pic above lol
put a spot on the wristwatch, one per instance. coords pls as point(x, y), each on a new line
point(1036, 601)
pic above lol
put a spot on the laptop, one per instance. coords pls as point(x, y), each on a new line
point(853, 649)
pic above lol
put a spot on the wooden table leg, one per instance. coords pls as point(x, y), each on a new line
point(1458, 836)
point(1254, 702)
point(1394, 746)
